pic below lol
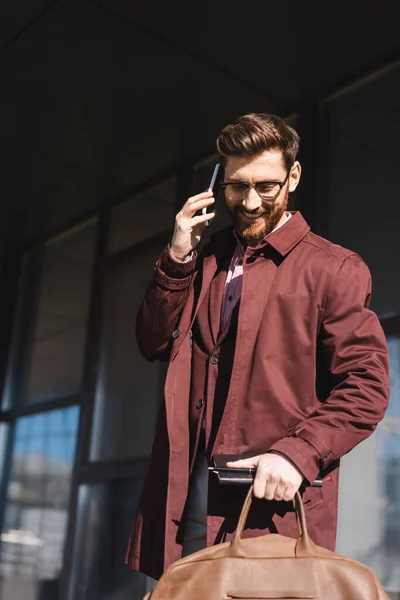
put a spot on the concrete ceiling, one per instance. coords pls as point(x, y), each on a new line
point(98, 96)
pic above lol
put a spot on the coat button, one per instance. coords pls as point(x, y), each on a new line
point(175, 334)
point(214, 359)
point(200, 403)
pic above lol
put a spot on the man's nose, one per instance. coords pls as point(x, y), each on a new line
point(252, 200)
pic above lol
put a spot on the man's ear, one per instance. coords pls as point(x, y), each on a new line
point(295, 175)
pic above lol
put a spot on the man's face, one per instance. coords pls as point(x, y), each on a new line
point(254, 217)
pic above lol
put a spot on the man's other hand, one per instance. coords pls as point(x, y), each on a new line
point(276, 478)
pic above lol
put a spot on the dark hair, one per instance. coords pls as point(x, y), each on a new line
point(254, 133)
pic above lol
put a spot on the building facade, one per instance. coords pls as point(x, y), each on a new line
point(86, 215)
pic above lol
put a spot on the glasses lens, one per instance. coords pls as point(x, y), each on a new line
point(267, 190)
point(235, 191)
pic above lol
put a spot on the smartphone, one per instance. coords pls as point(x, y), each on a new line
point(213, 186)
point(229, 475)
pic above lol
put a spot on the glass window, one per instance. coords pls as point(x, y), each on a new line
point(49, 341)
point(105, 512)
point(390, 461)
point(361, 189)
point(4, 433)
point(129, 389)
point(36, 510)
point(369, 515)
point(143, 216)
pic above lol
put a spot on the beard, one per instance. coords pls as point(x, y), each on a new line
point(254, 233)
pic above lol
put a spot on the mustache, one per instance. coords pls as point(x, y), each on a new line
point(263, 211)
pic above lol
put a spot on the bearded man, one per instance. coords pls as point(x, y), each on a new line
point(274, 357)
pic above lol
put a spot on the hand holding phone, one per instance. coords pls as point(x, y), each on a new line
point(238, 475)
point(192, 219)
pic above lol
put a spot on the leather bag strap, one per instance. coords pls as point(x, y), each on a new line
point(304, 546)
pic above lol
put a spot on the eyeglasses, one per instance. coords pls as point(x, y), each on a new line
point(267, 190)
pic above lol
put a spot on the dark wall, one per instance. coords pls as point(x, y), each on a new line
point(362, 180)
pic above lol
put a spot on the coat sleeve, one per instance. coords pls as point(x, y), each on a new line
point(160, 310)
point(353, 352)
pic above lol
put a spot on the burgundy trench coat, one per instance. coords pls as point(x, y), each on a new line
point(309, 381)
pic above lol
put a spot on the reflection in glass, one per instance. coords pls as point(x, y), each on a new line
point(129, 389)
point(36, 511)
point(105, 513)
point(4, 432)
point(390, 460)
point(49, 338)
point(143, 216)
point(369, 507)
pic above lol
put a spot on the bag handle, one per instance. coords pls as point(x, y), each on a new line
point(304, 545)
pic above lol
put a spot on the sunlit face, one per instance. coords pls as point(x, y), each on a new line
point(252, 216)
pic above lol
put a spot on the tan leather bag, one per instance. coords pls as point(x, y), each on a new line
point(268, 567)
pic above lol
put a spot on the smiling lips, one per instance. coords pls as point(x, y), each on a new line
point(251, 215)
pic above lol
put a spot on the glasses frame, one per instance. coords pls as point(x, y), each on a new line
point(249, 186)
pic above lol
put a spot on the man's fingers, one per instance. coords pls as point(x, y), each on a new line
point(281, 489)
point(276, 478)
point(244, 463)
point(198, 201)
point(202, 219)
point(272, 486)
point(259, 486)
point(201, 196)
point(289, 494)
point(190, 209)
point(272, 483)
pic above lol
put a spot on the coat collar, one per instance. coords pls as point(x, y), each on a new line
point(283, 240)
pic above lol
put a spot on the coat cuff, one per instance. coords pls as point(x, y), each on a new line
point(171, 274)
point(301, 454)
point(174, 269)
